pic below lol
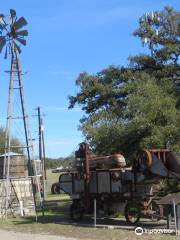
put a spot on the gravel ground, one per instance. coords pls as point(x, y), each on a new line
point(9, 235)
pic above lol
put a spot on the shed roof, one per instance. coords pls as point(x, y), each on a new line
point(168, 199)
point(11, 154)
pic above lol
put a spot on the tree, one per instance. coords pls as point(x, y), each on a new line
point(160, 32)
point(58, 162)
point(129, 108)
point(154, 112)
point(14, 142)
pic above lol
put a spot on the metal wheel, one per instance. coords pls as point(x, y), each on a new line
point(55, 189)
point(132, 212)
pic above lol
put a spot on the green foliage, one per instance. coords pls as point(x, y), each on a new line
point(154, 111)
point(135, 107)
point(14, 141)
point(57, 162)
point(160, 30)
point(2, 140)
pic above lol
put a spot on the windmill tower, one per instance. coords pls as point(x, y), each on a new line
point(12, 37)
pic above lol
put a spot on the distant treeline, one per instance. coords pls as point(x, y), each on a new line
point(57, 162)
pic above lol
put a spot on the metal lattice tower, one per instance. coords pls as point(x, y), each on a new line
point(16, 83)
point(12, 35)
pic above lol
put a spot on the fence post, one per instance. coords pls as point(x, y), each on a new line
point(174, 208)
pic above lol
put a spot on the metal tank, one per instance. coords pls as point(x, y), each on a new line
point(17, 165)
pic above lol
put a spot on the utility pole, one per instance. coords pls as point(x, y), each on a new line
point(44, 153)
point(40, 133)
point(42, 156)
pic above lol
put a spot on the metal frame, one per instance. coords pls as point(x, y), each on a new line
point(131, 194)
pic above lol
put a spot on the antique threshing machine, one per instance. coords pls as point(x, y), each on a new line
point(134, 190)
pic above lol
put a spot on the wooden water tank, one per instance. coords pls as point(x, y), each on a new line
point(17, 165)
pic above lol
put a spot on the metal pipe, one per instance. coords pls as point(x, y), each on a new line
point(39, 126)
point(94, 212)
point(87, 175)
point(8, 134)
point(175, 222)
point(23, 110)
point(44, 154)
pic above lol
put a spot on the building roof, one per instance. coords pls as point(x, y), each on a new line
point(11, 154)
point(168, 199)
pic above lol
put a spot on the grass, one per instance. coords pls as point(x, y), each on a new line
point(55, 228)
point(52, 176)
point(56, 221)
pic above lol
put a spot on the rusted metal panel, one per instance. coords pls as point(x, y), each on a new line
point(79, 185)
point(66, 183)
point(17, 165)
point(160, 162)
point(116, 183)
point(93, 183)
point(103, 182)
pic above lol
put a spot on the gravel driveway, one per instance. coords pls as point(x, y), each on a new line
point(9, 235)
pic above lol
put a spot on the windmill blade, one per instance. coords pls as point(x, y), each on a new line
point(22, 33)
point(13, 13)
point(2, 43)
point(22, 41)
point(1, 27)
point(6, 52)
point(17, 47)
point(2, 22)
point(10, 49)
point(21, 22)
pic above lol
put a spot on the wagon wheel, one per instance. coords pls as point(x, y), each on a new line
point(55, 189)
point(76, 211)
point(132, 212)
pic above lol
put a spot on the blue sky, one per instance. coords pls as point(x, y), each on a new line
point(65, 38)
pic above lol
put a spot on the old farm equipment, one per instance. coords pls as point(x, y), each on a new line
point(116, 187)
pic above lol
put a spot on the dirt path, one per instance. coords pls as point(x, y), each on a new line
point(9, 235)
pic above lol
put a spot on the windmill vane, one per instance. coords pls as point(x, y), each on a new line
point(12, 33)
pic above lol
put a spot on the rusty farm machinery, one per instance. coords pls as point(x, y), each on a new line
point(134, 190)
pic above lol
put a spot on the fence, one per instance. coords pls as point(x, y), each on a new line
point(16, 197)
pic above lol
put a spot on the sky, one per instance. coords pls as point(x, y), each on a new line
point(67, 37)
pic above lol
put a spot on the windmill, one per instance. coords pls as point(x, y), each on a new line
point(12, 37)
point(12, 34)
